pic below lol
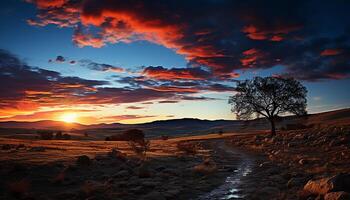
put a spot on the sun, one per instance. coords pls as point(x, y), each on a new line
point(69, 117)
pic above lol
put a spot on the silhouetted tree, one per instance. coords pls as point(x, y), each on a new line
point(269, 97)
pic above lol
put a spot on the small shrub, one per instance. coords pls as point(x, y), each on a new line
point(66, 136)
point(129, 135)
point(140, 148)
point(45, 135)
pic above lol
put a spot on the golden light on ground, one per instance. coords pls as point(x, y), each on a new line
point(69, 117)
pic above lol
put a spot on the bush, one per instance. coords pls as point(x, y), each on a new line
point(66, 136)
point(45, 135)
point(140, 148)
point(129, 135)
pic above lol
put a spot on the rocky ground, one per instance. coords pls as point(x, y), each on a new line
point(303, 164)
point(191, 171)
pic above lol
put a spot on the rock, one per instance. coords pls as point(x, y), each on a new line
point(138, 190)
point(150, 183)
point(293, 182)
point(340, 182)
point(172, 193)
point(83, 160)
point(303, 161)
point(337, 196)
point(6, 147)
point(121, 174)
point(269, 192)
point(154, 196)
point(37, 149)
point(93, 187)
point(143, 171)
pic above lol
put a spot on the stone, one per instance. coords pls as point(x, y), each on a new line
point(337, 196)
point(340, 182)
point(143, 171)
point(154, 196)
point(121, 174)
point(269, 192)
point(295, 182)
point(83, 160)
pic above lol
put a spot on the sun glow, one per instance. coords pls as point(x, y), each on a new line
point(69, 117)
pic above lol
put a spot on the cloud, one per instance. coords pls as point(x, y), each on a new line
point(100, 66)
point(134, 107)
point(118, 118)
point(217, 34)
point(169, 101)
point(26, 89)
point(162, 73)
point(44, 115)
point(330, 52)
point(60, 59)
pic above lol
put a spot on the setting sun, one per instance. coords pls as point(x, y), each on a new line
point(69, 117)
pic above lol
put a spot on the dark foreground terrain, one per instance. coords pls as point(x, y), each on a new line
point(308, 161)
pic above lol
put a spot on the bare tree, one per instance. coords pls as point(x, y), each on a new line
point(269, 97)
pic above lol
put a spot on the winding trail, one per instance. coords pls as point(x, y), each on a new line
point(232, 187)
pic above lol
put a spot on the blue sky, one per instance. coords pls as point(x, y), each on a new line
point(36, 45)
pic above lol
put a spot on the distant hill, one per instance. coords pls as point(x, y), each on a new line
point(186, 126)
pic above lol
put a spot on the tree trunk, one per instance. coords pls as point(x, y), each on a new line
point(273, 127)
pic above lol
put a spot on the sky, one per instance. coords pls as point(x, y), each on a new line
point(105, 61)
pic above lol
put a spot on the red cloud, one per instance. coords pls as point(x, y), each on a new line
point(176, 73)
point(250, 57)
point(47, 3)
point(175, 89)
point(275, 33)
point(330, 52)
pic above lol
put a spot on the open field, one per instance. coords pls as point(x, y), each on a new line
point(246, 165)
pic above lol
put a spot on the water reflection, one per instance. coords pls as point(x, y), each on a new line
point(231, 189)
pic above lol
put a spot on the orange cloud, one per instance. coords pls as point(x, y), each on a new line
point(330, 52)
point(275, 33)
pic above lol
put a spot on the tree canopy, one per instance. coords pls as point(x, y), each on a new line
point(268, 97)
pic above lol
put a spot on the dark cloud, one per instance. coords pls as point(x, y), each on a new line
point(225, 36)
point(24, 86)
point(100, 66)
point(22, 83)
point(135, 107)
point(169, 101)
point(162, 73)
point(60, 59)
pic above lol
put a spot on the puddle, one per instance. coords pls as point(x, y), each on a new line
point(231, 189)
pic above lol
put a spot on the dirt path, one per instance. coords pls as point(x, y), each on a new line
point(243, 162)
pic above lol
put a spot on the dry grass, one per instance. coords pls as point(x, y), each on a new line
point(207, 167)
